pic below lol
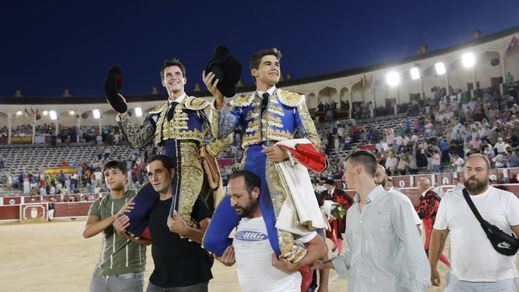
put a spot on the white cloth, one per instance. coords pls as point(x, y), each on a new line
point(327, 207)
point(416, 218)
point(300, 212)
point(473, 257)
point(254, 260)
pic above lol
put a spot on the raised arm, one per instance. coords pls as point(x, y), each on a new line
point(137, 136)
point(223, 117)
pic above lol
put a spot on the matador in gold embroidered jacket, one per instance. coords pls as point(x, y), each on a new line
point(179, 129)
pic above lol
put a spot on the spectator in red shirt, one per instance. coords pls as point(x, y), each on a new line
point(429, 203)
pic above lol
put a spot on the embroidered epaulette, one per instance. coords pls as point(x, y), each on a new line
point(242, 101)
point(158, 108)
point(196, 103)
point(289, 98)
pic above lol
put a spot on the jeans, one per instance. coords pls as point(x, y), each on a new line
point(133, 282)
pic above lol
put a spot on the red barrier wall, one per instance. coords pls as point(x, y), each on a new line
point(75, 209)
point(10, 212)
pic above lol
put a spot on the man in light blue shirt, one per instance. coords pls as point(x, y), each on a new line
point(384, 251)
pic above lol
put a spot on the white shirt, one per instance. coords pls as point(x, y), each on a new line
point(459, 164)
point(416, 218)
point(340, 131)
point(254, 260)
point(473, 257)
point(179, 99)
point(391, 162)
point(384, 250)
point(270, 91)
point(399, 140)
point(500, 147)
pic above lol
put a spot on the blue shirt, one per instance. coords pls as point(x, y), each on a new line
point(385, 251)
point(444, 146)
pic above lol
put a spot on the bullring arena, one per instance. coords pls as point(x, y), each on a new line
point(55, 257)
point(51, 151)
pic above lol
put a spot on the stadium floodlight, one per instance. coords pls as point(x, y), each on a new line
point(53, 115)
point(45, 113)
point(415, 73)
point(393, 79)
point(19, 113)
point(440, 68)
point(138, 112)
point(97, 114)
point(468, 60)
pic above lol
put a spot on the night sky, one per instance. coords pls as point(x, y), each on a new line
point(46, 46)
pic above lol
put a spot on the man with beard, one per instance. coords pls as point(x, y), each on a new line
point(381, 179)
point(259, 269)
point(476, 265)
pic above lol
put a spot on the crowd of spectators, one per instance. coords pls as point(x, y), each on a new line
point(108, 135)
point(79, 177)
point(436, 134)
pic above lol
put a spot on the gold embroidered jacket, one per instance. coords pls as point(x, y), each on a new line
point(189, 122)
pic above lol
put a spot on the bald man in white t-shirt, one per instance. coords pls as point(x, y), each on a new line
point(475, 264)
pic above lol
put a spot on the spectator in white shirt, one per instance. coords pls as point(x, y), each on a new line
point(500, 146)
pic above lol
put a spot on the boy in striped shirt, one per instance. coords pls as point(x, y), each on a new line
point(123, 260)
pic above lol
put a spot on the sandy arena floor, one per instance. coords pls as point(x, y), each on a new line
point(55, 257)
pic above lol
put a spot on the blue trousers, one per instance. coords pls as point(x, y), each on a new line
point(225, 219)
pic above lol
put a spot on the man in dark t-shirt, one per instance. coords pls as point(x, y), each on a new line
point(181, 264)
